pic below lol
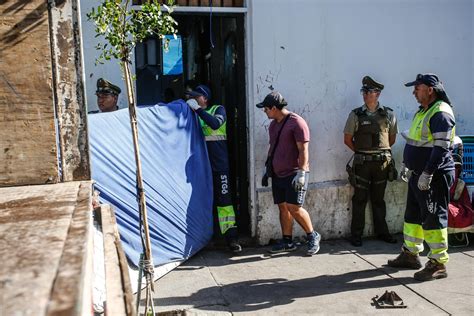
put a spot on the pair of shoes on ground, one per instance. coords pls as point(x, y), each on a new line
point(433, 270)
point(288, 245)
point(356, 241)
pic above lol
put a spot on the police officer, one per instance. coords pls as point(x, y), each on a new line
point(213, 122)
point(370, 132)
point(107, 95)
point(429, 157)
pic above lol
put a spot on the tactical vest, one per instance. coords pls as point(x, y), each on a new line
point(210, 134)
point(372, 131)
point(420, 134)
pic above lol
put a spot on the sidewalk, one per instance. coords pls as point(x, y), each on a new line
point(340, 279)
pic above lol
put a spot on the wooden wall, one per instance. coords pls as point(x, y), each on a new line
point(28, 152)
point(41, 73)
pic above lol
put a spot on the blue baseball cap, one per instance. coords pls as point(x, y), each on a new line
point(200, 90)
point(430, 80)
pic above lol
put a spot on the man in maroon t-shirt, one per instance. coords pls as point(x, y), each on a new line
point(289, 140)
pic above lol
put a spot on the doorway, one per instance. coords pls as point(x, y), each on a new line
point(208, 50)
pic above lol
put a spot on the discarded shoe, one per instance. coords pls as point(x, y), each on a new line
point(405, 260)
point(388, 238)
point(283, 246)
point(356, 241)
point(433, 270)
point(313, 244)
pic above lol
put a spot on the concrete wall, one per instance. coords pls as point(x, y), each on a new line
point(315, 53)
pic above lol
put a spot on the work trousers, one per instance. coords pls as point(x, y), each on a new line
point(371, 180)
point(426, 216)
point(224, 213)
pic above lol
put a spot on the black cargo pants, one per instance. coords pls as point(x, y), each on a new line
point(371, 181)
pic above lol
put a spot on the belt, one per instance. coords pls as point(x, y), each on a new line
point(371, 157)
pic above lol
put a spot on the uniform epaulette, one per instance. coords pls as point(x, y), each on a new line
point(388, 108)
point(358, 111)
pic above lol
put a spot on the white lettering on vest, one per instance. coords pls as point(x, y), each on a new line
point(224, 184)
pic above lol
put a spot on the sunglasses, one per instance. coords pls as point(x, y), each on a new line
point(368, 91)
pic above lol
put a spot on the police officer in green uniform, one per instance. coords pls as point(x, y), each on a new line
point(370, 132)
point(213, 122)
point(107, 95)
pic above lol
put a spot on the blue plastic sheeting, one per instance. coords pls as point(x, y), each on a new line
point(176, 172)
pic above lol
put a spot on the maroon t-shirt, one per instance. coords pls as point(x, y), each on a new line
point(285, 160)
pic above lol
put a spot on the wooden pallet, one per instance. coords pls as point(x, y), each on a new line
point(46, 247)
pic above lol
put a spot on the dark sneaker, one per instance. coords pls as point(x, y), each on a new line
point(313, 244)
point(234, 246)
point(388, 238)
point(356, 241)
point(283, 246)
point(405, 260)
point(433, 270)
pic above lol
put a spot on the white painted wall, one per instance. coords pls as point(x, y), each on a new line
point(315, 52)
point(110, 70)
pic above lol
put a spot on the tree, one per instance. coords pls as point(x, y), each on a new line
point(122, 28)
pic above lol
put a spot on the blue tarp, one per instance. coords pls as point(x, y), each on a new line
point(176, 172)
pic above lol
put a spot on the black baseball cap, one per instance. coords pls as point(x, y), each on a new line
point(273, 99)
point(430, 80)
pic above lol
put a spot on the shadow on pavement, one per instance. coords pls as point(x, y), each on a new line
point(265, 293)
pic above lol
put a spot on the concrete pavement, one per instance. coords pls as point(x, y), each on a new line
point(340, 279)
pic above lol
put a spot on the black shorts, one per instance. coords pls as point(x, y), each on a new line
point(283, 191)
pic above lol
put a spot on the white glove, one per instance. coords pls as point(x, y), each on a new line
point(298, 180)
point(424, 181)
point(404, 173)
point(193, 104)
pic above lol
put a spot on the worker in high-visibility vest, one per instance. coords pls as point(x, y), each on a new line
point(213, 122)
point(427, 157)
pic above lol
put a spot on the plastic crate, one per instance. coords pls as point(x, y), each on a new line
point(468, 163)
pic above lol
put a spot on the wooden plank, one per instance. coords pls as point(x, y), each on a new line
point(193, 3)
point(227, 3)
point(68, 86)
point(34, 226)
point(27, 134)
point(238, 3)
point(205, 3)
point(182, 2)
point(72, 289)
point(119, 298)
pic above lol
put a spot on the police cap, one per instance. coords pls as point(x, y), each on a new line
point(106, 87)
point(370, 84)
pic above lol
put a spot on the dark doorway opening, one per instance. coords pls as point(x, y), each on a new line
point(212, 51)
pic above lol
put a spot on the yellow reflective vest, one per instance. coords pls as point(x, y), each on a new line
point(420, 134)
point(209, 133)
